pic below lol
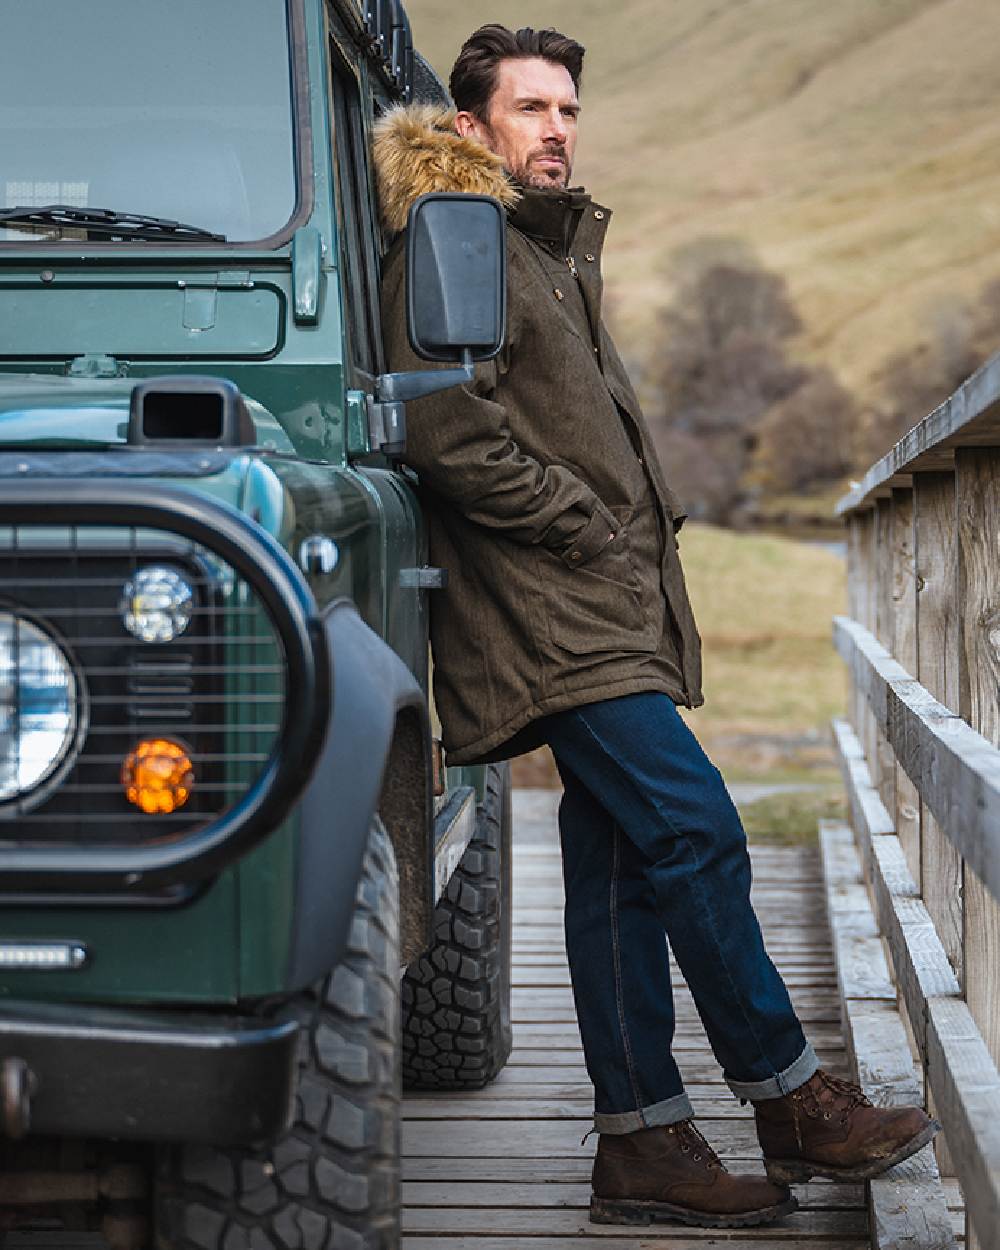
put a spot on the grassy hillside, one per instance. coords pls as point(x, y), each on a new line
point(855, 145)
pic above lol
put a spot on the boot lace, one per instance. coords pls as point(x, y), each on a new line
point(691, 1140)
point(825, 1096)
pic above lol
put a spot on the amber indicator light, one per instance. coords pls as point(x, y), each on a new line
point(157, 776)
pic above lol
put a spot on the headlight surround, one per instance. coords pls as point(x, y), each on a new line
point(157, 603)
point(40, 706)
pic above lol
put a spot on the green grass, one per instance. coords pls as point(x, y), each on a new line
point(793, 819)
point(772, 679)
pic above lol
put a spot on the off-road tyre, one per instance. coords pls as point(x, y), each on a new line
point(456, 997)
point(332, 1182)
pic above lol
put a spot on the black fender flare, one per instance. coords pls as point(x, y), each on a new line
point(376, 757)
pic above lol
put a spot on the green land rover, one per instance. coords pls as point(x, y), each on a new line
point(242, 899)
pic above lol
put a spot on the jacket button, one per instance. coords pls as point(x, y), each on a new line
point(598, 214)
point(589, 257)
point(575, 555)
point(558, 293)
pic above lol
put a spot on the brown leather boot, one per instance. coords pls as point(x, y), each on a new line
point(827, 1127)
point(672, 1173)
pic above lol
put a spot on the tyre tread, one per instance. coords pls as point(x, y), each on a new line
point(332, 1182)
point(456, 1027)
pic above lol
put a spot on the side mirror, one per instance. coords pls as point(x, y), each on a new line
point(456, 268)
point(456, 305)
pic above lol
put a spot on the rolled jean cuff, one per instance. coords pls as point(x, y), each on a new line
point(783, 1083)
point(670, 1111)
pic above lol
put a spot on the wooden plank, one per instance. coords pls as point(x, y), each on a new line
point(919, 961)
point(856, 591)
point(969, 417)
point(544, 1139)
point(909, 1210)
point(956, 770)
point(563, 1222)
point(613, 1239)
point(903, 646)
point(542, 1107)
point(966, 1088)
point(869, 735)
point(937, 670)
point(883, 763)
point(816, 1196)
point(977, 499)
point(695, 1065)
point(960, 1068)
point(977, 508)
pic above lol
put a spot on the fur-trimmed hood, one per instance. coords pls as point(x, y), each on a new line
point(417, 151)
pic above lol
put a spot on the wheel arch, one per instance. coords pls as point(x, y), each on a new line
point(376, 757)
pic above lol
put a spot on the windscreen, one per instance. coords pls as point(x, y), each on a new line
point(180, 109)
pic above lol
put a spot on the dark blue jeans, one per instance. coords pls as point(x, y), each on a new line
point(652, 843)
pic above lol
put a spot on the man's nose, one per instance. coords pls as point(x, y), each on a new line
point(555, 127)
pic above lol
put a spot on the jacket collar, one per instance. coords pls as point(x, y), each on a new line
point(553, 217)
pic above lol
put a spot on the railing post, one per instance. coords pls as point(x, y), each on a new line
point(866, 726)
point(937, 669)
point(977, 500)
point(884, 761)
point(903, 646)
point(856, 593)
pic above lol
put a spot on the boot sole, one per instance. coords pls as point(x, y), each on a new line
point(635, 1212)
point(798, 1171)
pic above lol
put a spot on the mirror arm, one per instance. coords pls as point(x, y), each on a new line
point(394, 388)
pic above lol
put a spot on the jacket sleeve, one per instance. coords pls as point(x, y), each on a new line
point(460, 444)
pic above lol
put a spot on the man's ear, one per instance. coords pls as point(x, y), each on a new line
point(468, 126)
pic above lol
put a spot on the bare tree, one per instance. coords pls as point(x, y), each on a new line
point(719, 363)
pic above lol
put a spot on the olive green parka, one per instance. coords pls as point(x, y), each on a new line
point(545, 499)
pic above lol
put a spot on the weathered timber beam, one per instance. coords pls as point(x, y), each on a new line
point(960, 1070)
point(921, 965)
point(955, 769)
point(907, 1206)
point(968, 418)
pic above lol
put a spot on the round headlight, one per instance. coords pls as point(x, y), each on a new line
point(157, 604)
point(39, 702)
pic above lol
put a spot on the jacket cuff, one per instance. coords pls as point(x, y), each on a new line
point(592, 539)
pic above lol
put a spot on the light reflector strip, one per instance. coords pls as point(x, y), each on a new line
point(42, 956)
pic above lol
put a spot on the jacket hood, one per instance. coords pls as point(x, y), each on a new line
point(417, 151)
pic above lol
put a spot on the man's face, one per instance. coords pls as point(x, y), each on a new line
point(532, 125)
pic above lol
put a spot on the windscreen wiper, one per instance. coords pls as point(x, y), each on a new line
point(107, 222)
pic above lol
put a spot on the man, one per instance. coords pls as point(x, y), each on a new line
point(566, 622)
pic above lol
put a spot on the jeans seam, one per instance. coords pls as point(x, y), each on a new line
point(617, 964)
point(697, 883)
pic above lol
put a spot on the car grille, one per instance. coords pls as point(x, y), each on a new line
point(217, 690)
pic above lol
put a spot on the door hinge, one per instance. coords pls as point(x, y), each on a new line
point(387, 426)
point(424, 578)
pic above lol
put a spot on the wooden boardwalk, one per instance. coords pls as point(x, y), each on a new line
point(505, 1168)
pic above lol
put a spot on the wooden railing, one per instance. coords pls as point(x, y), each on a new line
point(920, 760)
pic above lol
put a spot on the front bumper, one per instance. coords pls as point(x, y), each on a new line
point(154, 1076)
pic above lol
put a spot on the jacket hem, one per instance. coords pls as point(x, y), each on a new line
point(488, 749)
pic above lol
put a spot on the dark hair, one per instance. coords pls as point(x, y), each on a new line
point(474, 74)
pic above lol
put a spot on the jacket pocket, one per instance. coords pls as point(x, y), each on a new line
point(597, 607)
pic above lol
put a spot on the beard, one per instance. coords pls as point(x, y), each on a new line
point(543, 179)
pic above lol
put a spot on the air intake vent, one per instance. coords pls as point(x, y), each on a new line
point(189, 410)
